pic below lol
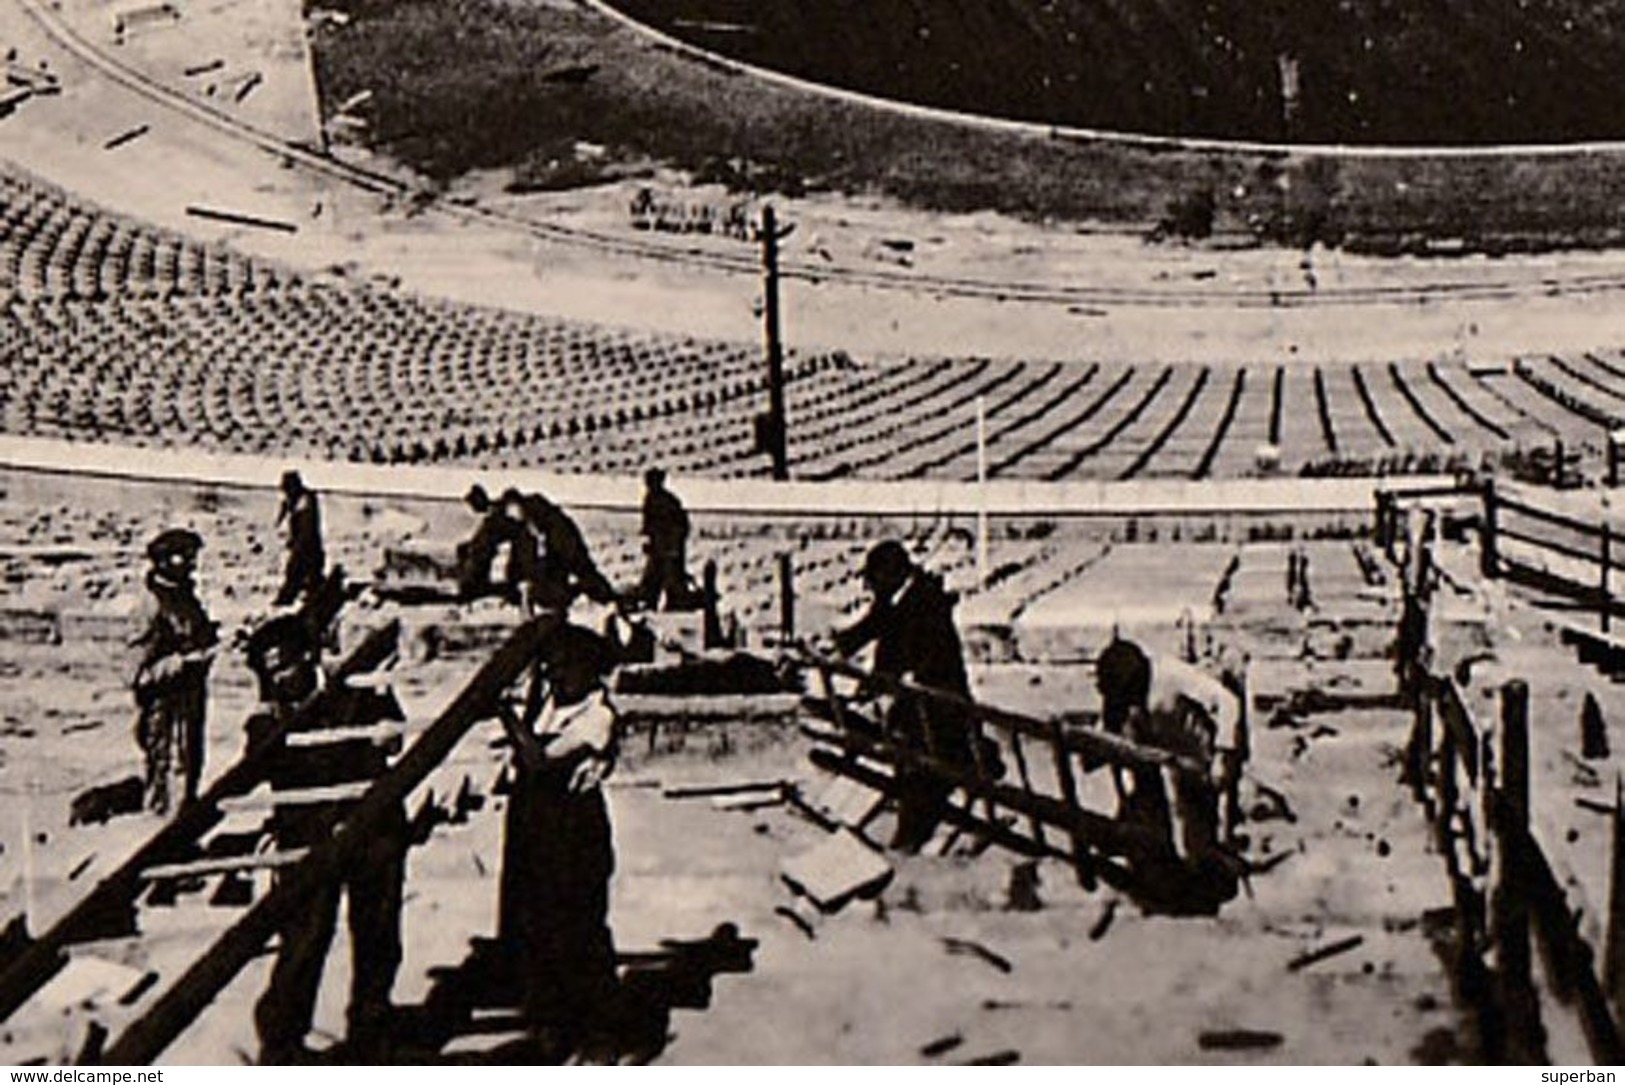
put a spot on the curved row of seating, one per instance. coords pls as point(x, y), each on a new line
point(52, 245)
point(111, 330)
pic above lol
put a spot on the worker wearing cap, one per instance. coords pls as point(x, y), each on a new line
point(556, 564)
point(302, 575)
point(558, 853)
point(342, 742)
point(665, 546)
point(911, 624)
point(173, 651)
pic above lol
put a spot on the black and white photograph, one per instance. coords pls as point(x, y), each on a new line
point(732, 533)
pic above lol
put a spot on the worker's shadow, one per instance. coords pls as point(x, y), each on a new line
point(471, 1013)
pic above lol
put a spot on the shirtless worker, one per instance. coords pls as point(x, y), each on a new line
point(1168, 704)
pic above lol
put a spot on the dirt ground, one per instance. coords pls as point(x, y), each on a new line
point(965, 954)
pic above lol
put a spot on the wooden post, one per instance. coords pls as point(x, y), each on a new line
point(1082, 866)
point(1449, 788)
point(778, 430)
point(1513, 954)
point(787, 598)
point(982, 560)
point(1489, 563)
point(1384, 533)
point(1613, 968)
point(1605, 601)
point(1420, 755)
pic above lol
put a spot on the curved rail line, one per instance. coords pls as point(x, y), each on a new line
point(55, 28)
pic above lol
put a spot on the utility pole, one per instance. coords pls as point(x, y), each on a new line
point(773, 432)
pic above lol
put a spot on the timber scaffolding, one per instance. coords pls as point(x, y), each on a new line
point(1472, 775)
point(1023, 814)
point(164, 1010)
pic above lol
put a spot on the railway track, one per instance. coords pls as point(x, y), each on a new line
point(743, 264)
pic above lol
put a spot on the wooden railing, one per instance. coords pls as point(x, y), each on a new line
point(1034, 807)
point(1473, 777)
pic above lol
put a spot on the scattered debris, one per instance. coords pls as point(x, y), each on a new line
point(1103, 923)
point(248, 85)
point(1584, 774)
point(963, 947)
point(1007, 1057)
point(86, 978)
point(1315, 956)
point(1585, 803)
point(837, 870)
point(1022, 895)
point(748, 802)
point(238, 218)
point(724, 790)
point(942, 1045)
point(1593, 730)
point(129, 135)
point(1237, 1039)
point(800, 921)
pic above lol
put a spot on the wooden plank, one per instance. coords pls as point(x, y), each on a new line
point(224, 864)
point(1537, 513)
point(379, 734)
point(305, 796)
point(1543, 543)
point(1458, 721)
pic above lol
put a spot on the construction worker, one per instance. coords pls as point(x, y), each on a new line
point(910, 622)
point(665, 547)
point(558, 852)
point(497, 528)
point(556, 565)
point(342, 744)
point(306, 559)
point(174, 650)
point(1170, 705)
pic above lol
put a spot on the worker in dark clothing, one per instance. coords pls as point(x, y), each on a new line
point(665, 547)
point(173, 652)
point(343, 744)
point(306, 559)
point(555, 564)
point(558, 853)
point(911, 624)
point(498, 527)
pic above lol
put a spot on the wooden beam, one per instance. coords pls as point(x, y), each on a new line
point(224, 864)
point(379, 734)
point(305, 796)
